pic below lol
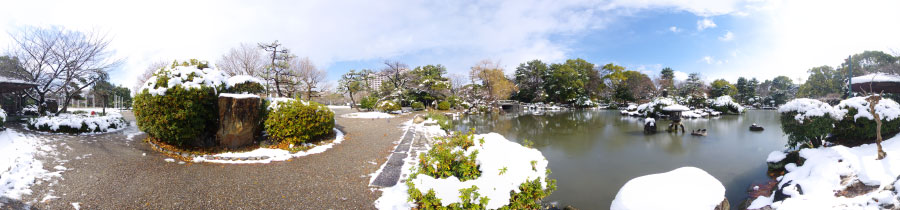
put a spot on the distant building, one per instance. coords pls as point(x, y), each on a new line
point(381, 78)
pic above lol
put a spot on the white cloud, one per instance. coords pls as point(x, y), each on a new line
point(707, 59)
point(674, 29)
point(705, 23)
point(680, 76)
point(727, 37)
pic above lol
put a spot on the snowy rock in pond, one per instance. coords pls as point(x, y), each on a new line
point(239, 119)
point(686, 188)
point(776, 156)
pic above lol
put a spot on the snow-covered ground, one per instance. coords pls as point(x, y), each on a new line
point(19, 166)
point(338, 107)
point(368, 115)
point(685, 188)
point(270, 154)
point(829, 170)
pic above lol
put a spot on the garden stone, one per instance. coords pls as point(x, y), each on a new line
point(238, 121)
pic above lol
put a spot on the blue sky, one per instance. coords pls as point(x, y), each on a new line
point(752, 38)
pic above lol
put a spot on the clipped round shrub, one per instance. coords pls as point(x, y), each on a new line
point(443, 105)
point(388, 106)
point(457, 158)
point(417, 106)
point(178, 104)
point(368, 103)
point(297, 122)
point(244, 84)
point(806, 122)
point(726, 104)
point(856, 128)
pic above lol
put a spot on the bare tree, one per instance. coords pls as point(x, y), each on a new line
point(61, 62)
point(309, 76)
point(151, 69)
point(456, 83)
point(244, 60)
point(276, 70)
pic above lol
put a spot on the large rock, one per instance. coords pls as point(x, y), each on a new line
point(239, 119)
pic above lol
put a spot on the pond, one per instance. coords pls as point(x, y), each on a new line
point(592, 153)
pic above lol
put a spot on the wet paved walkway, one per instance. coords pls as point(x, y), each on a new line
point(111, 171)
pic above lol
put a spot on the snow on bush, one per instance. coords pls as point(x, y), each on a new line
point(805, 108)
point(682, 188)
point(189, 75)
point(240, 79)
point(244, 84)
point(79, 123)
point(368, 115)
point(886, 108)
point(2, 117)
point(389, 106)
point(726, 104)
point(655, 106)
point(828, 171)
point(480, 171)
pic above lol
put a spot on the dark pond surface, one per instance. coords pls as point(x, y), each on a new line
point(592, 153)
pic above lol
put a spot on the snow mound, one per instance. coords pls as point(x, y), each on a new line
point(112, 122)
point(887, 109)
point(676, 108)
point(238, 96)
point(240, 79)
point(368, 115)
point(775, 156)
point(494, 154)
point(820, 177)
point(18, 166)
point(269, 155)
point(649, 107)
point(807, 108)
point(188, 77)
point(682, 188)
point(650, 121)
point(2, 116)
point(876, 77)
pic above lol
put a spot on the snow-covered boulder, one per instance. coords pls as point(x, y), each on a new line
point(687, 188)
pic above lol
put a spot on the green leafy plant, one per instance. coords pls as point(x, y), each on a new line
point(443, 105)
point(246, 87)
point(853, 132)
point(809, 132)
point(368, 103)
point(388, 106)
point(442, 120)
point(297, 122)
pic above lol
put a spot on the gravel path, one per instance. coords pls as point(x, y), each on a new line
point(110, 171)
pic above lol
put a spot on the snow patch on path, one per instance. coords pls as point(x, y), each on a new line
point(18, 166)
point(368, 115)
point(272, 154)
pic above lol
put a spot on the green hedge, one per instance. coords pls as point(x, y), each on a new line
point(808, 132)
point(417, 106)
point(297, 122)
point(854, 132)
point(368, 103)
point(179, 116)
point(443, 105)
point(388, 106)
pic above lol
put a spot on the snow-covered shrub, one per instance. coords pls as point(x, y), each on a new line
point(467, 171)
point(654, 107)
point(368, 103)
point(806, 121)
point(244, 84)
point(388, 106)
point(726, 104)
point(178, 104)
point(78, 123)
point(857, 126)
point(417, 106)
point(2, 117)
point(442, 120)
point(443, 105)
point(296, 121)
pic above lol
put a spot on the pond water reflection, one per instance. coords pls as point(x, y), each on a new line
point(592, 153)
